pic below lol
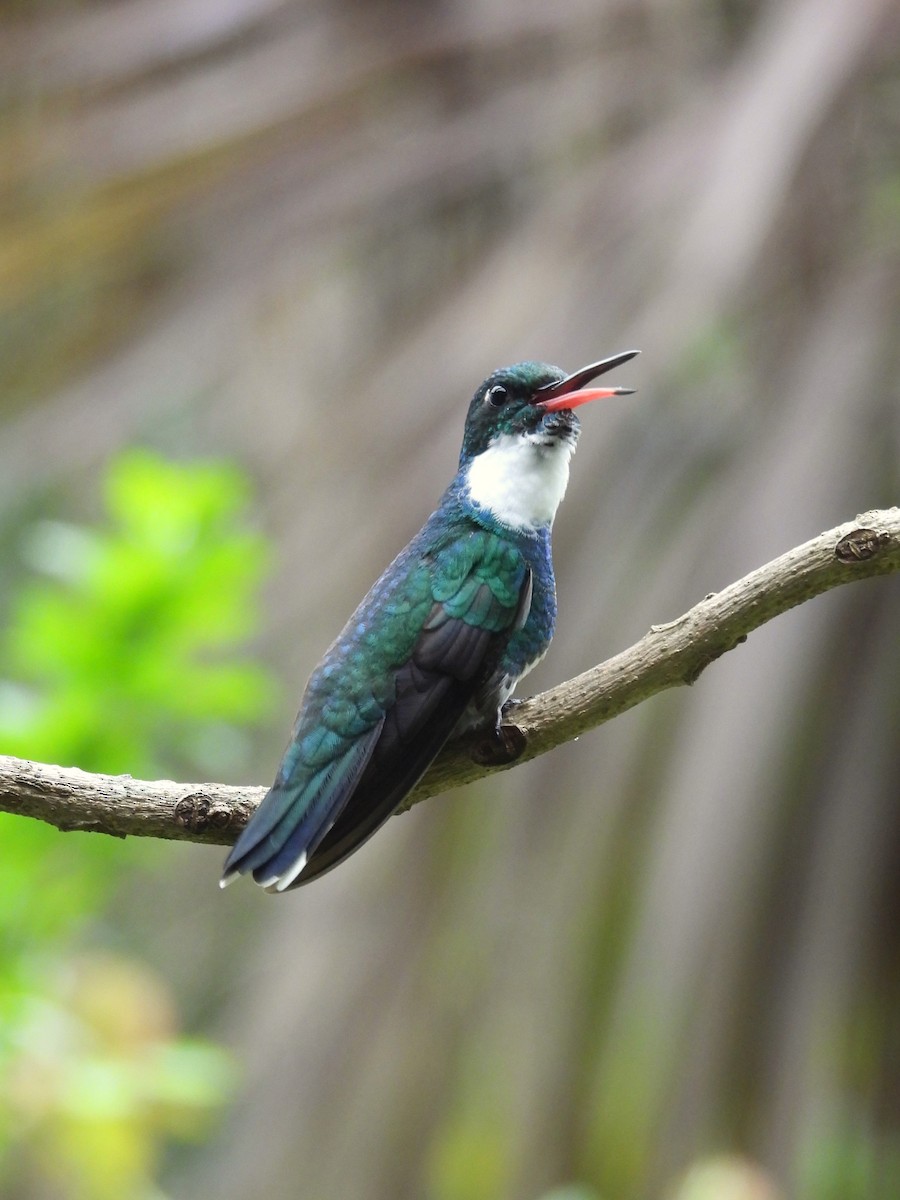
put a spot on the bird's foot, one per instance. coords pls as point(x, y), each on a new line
point(498, 745)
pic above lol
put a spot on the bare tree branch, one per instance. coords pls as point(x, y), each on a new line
point(670, 654)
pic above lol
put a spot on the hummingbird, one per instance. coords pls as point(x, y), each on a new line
point(439, 642)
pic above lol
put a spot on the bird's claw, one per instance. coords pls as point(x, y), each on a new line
point(498, 746)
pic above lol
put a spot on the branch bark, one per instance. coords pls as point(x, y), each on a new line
point(670, 654)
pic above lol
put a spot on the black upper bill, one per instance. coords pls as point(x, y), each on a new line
point(573, 382)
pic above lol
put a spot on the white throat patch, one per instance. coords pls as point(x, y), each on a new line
point(521, 480)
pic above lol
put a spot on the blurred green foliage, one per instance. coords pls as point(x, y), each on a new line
point(120, 655)
point(112, 654)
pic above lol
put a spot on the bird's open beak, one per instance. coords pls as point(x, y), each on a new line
point(569, 393)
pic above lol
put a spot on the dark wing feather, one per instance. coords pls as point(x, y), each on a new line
point(296, 813)
point(431, 699)
point(354, 756)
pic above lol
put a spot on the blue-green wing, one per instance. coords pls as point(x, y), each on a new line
point(383, 702)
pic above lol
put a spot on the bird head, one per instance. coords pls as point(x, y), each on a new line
point(534, 401)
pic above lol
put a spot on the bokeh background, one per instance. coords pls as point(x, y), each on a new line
point(663, 961)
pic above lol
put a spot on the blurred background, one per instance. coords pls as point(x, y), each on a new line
point(255, 257)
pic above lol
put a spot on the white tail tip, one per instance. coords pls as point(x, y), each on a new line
point(291, 873)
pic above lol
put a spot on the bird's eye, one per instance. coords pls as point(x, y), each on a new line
point(496, 396)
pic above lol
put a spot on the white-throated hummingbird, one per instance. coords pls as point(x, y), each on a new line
point(439, 642)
